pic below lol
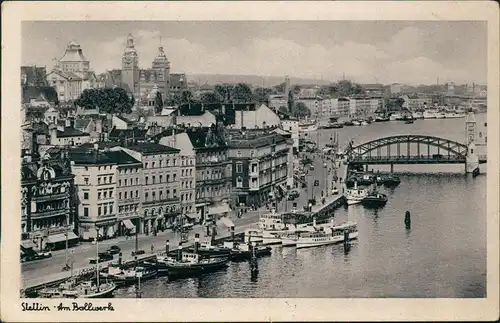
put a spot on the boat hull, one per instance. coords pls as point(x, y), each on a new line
point(102, 294)
point(309, 242)
point(194, 269)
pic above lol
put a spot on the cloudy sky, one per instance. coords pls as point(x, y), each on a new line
point(383, 51)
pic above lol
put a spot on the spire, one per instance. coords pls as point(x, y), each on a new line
point(130, 41)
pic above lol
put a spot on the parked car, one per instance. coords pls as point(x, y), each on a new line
point(114, 250)
point(139, 252)
point(316, 182)
point(37, 256)
point(103, 256)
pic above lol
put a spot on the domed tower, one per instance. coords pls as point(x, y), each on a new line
point(130, 66)
point(162, 67)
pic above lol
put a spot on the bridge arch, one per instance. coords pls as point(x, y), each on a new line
point(457, 149)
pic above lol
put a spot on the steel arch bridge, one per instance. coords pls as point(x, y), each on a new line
point(448, 151)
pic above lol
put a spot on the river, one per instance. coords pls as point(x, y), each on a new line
point(442, 255)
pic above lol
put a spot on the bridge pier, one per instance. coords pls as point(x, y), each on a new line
point(392, 168)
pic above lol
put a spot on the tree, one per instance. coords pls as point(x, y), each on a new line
point(210, 97)
point(280, 88)
point(261, 94)
point(132, 100)
point(225, 91)
point(344, 88)
point(108, 100)
point(158, 102)
point(306, 161)
point(283, 110)
point(242, 93)
point(301, 110)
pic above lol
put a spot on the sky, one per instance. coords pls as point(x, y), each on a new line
point(410, 52)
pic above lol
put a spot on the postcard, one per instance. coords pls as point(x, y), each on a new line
point(250, 161)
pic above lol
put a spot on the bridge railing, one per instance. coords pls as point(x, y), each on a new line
point(401, 157)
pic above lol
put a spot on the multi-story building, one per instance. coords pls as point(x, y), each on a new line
point(291, 125)
point(213, 169)
point(95, 180)
point(128, 192)
point(67, 136)
point(255, 117)
point(72, 74)
point(47, 202)
point(259, 166)
point(313, 103)
point(278, 101)
point(160, 184)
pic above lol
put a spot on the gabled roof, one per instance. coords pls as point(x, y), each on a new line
point(124, 119)
point(70, 132)
point(205, 138)
point(82, 123)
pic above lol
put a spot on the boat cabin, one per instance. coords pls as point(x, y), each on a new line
point(271, 221)
point(191, 258)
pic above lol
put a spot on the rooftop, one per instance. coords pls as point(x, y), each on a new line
point(152, 148)
point(70, 132)
point(254, 139)
point(83, 156)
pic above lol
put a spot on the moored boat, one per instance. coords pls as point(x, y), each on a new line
point(332, 235)
point(308, 126)
point(355, 195)
point(85, 289)
point(191, 264)
point(374, 200)
point(381, 118)
point(391, 180)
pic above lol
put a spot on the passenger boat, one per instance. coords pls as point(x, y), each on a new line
point(192, 264)
point(374, 200)
point(430, 114)
point(381, 118)
point(417, 115)
point(355, 195)
point(334, 234)
point(85, 289)
point(308, 126)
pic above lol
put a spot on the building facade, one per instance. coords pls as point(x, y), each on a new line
point(72, 74)
point(291, 125)
point(212, 167)
point(259, 167)
point(160, 184)
point(255, 117)
point(47, 202)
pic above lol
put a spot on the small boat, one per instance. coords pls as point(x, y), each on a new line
point(391, 181)
point(381, 118)
point(332, 235)
point(192, 264)
point(308, 126)
point(417, 115)
point(356, 123)
point(374, 200)
point(123, 277)
point(337, 125)
point(396, 117)
point(366, 179)
point(85, 289)
point(364, 123)
point(355, 195)
point(440, 115)
point(242, 251)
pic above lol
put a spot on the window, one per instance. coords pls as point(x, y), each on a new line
point(85, 195)
point(86, 180)
point(153, 165)
point(146, 196)
point(161, 178)
point(153, 179)
point(161, 195)
point(86, 212)
point(154, 196)
point(105, 194)
point(111, 179)
point(239, 182)
point(125, 182)
point(111, 209)
point(175, 175)
point(238, 153)
point(175, 193)
point(98, 181)
point(168, 178)
point(125, 194)
point(146, 179)
point(239, 168)
point(119, 182)
point(137, 193)
point(175, 161)
point(105, 209)
point(145, 165)
point(99, 211)
point(252, 154)
point(136, 181)
point(98, 195)
point(168, 162)
point(120, 195)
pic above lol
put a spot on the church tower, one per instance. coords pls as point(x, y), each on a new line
point(162, 67)
point(130, 66)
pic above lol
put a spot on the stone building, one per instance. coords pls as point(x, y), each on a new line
point(47, 202)
point(259, 166)
point(160, 184)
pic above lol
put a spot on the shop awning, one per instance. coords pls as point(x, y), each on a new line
point(128, 224)
point(218, 209)
point(28, 244)
point(227, 222)
point(61, 237)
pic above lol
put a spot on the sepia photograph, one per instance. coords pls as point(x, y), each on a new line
point(239, 159)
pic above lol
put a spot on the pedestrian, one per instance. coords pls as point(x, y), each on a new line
point(152, 248)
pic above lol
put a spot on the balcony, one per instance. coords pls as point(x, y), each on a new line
point(171, 200)
point(50, 197)
point(49, 213)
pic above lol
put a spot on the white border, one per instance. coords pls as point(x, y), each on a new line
point(240, 309)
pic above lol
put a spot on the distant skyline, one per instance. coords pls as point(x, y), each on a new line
point(411, 52)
